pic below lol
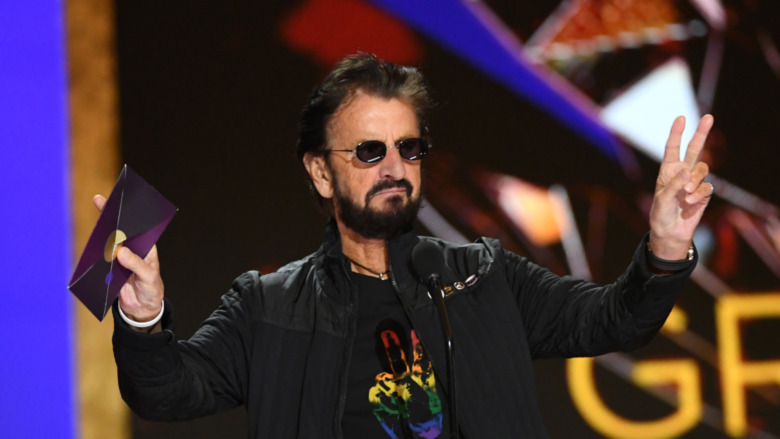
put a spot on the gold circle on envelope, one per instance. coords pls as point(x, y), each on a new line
point(113, 244)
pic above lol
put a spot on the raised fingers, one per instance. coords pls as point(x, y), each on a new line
point(672, 151)
point(696, 144)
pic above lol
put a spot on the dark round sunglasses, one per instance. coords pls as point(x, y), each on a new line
point(372, 151)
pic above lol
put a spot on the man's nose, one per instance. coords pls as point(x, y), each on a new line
point(392, 166)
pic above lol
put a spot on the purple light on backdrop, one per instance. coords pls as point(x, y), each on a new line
point(475, 34)
point(36, 357)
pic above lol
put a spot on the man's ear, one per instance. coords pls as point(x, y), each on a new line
point(320, 174)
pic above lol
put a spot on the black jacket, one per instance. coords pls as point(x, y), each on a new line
point(281, 343)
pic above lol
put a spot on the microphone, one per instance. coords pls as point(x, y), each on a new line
point(428, 262)
point(427, 259)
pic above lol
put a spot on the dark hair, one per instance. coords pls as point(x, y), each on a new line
point(367, 73)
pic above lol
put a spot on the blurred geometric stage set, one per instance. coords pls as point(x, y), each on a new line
point(549, 128)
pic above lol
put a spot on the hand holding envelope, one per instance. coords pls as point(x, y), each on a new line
point(120, 258)
point(141, 296)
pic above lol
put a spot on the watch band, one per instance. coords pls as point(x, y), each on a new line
point(665, 264)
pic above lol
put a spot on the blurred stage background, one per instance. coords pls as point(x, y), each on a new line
point(550, 122)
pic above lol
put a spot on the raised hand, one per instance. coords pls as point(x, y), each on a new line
point(141, 297)
point(681, 194)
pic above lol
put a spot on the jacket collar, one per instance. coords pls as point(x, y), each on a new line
point(399, 250)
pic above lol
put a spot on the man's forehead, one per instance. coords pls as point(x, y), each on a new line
point(368, 115)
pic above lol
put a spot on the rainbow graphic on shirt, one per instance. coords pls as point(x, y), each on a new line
point(404, 399)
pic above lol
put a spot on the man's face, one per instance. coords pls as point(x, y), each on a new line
point(375, 200)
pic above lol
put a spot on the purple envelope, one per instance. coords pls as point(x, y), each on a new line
point(135, 215)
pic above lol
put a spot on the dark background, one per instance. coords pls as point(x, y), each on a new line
point(210, 97)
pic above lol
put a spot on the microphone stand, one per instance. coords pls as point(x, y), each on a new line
point(437, 292)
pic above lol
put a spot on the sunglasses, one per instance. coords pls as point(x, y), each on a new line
point(373, 151)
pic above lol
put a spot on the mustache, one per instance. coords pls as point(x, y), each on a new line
point(389, 184)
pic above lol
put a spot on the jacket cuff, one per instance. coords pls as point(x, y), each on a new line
point(133, 339)
point(654, 295)
point(138, 353)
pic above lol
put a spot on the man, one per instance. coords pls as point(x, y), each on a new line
point(347, 342)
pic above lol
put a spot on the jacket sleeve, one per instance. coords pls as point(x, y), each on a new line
point(162, 378)
point(569, 317)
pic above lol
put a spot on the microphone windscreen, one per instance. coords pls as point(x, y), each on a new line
point(427, 259)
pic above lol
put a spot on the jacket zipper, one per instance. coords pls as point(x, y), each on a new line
point(410, 314)
point(351, 333)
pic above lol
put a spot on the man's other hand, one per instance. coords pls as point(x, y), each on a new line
point(681, 193)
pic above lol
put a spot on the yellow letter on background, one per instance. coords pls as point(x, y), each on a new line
point(736, 373)
point(683, 373)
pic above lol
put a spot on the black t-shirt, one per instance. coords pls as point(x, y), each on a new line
point(391, 390)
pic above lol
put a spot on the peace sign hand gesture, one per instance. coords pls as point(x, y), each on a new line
point(681, 194)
